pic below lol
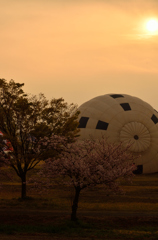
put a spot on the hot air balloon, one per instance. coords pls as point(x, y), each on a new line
point(123, 118)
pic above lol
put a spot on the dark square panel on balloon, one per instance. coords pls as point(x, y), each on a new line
point(154, 119)
point(116, 96)
point(83, 122)
point(139, 169)
point(102, 125)
point(125, 106)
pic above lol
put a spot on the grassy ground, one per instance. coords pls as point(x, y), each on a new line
point(133, 215)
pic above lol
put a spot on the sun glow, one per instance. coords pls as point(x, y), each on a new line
point(152, 25)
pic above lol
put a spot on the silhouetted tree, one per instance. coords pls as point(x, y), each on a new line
point(4, 163)
point(27, 121)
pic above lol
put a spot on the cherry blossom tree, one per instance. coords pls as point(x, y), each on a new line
point(89, 163)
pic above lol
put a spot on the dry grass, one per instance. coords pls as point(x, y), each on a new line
point(133, 215)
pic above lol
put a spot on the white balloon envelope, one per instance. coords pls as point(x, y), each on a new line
point(123, 118)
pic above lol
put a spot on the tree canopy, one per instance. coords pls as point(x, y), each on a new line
point(89, 163)
point(27, 120)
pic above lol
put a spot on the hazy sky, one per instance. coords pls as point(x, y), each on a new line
point(79, 49)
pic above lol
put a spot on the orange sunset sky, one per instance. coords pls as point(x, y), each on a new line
point(79, 49)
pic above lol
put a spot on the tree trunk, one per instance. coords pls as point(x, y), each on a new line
point(23, 186)
point(75, 204)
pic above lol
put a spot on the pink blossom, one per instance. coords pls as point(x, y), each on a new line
point(89, 163)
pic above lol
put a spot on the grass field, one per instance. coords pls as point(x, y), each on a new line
point(133, 215)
